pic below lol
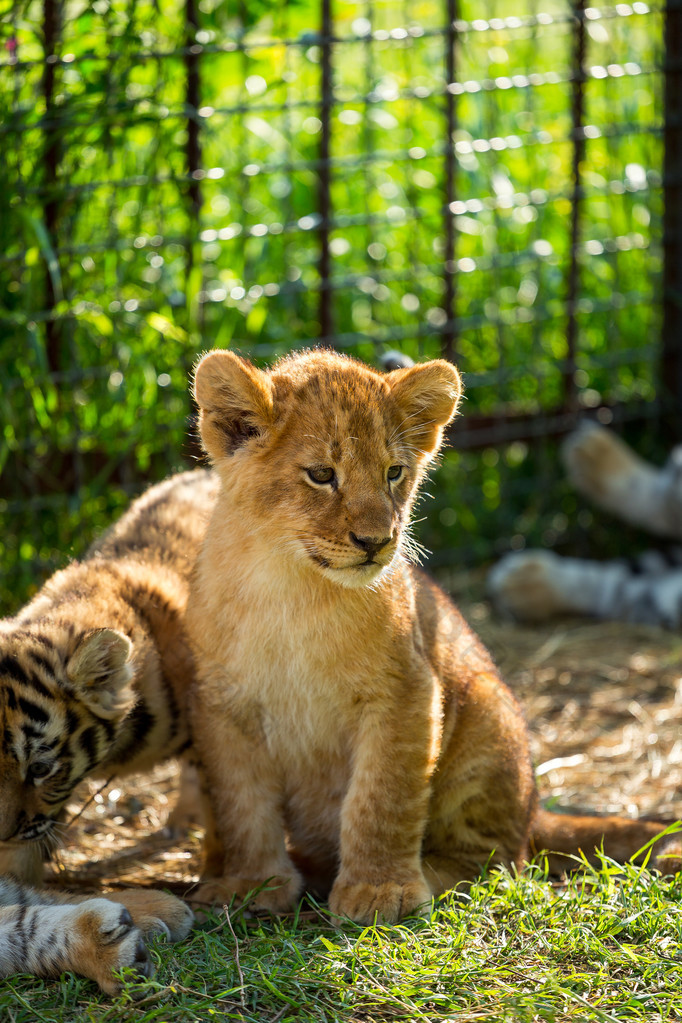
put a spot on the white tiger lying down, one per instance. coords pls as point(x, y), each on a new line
point(46, 933)
point(536, 584)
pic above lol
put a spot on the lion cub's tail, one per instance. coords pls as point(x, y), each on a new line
point(566, 836)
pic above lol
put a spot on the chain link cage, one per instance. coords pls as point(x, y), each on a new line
point(502, 191)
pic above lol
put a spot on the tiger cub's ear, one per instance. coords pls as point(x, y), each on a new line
point(100, 671)
point(235, 401)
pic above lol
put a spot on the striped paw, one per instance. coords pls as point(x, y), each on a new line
point(102, 939)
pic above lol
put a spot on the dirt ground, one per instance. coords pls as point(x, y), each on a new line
point(604, 707)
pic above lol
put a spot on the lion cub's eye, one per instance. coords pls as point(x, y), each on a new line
point(323, 475)
point(394, 472)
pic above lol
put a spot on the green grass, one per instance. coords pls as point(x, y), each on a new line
point(604, 947)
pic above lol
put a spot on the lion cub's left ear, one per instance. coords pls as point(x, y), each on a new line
point(235, 399)
point(427, 396)
point(101, 672)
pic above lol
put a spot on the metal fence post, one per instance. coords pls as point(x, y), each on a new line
point(573, 273)
point(671, 361)
point(324, 177)
point(51, 158)
point(193, 146)
point(193, 159)
point(448, 337)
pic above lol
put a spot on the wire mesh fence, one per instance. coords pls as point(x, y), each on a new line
point(373, 175)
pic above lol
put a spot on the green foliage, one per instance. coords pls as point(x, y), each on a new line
point(605, 947)
point(118, 266)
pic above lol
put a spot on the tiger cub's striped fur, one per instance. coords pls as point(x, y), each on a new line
point(94, 670)
point(46, 933)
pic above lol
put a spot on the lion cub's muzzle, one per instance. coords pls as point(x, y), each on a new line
point(371, 545)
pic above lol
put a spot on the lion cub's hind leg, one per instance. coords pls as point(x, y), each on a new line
point(483, 792)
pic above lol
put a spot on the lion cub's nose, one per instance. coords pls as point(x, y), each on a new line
point(370, 544)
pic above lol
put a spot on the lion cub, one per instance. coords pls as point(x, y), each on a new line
point(355, 733)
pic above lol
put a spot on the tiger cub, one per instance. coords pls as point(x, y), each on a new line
point(93, 677)
point(94, 670)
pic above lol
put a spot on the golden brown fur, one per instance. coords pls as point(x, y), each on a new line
point(355, 733)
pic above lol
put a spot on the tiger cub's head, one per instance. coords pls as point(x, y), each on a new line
point(321, 456)
point(62, 694)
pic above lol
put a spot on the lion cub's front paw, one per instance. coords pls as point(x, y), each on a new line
point(383, 903)
point(278, 894)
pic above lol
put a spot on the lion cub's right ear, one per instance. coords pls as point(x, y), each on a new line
point(235, 402)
